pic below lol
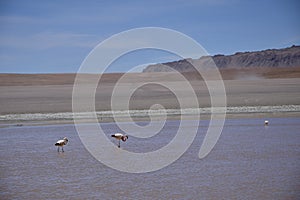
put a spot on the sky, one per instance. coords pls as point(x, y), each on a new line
point(56, 36)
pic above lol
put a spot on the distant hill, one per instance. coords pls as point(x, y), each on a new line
point(287, 57)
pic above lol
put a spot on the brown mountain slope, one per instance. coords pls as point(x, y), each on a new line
point(287, 57)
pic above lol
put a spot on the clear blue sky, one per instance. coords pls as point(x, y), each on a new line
point(55, 36)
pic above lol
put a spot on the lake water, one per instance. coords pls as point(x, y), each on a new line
point(250, 161)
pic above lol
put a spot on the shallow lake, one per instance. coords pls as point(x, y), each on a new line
point(250, 161)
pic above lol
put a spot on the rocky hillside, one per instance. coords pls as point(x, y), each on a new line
point(287, 57)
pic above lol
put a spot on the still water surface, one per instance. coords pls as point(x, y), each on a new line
point(250, 161)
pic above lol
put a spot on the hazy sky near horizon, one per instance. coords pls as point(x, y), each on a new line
point(56, 36)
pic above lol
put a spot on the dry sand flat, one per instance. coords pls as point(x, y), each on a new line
point(50, 93)
point(68, 79)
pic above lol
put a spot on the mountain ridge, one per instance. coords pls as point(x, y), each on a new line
point(285, 57)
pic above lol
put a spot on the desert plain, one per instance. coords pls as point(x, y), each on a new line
point(52, 93)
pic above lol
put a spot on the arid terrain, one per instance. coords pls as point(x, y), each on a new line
point(51, 93)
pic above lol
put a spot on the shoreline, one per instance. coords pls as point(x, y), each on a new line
point(41, 99)
point(19, 120)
